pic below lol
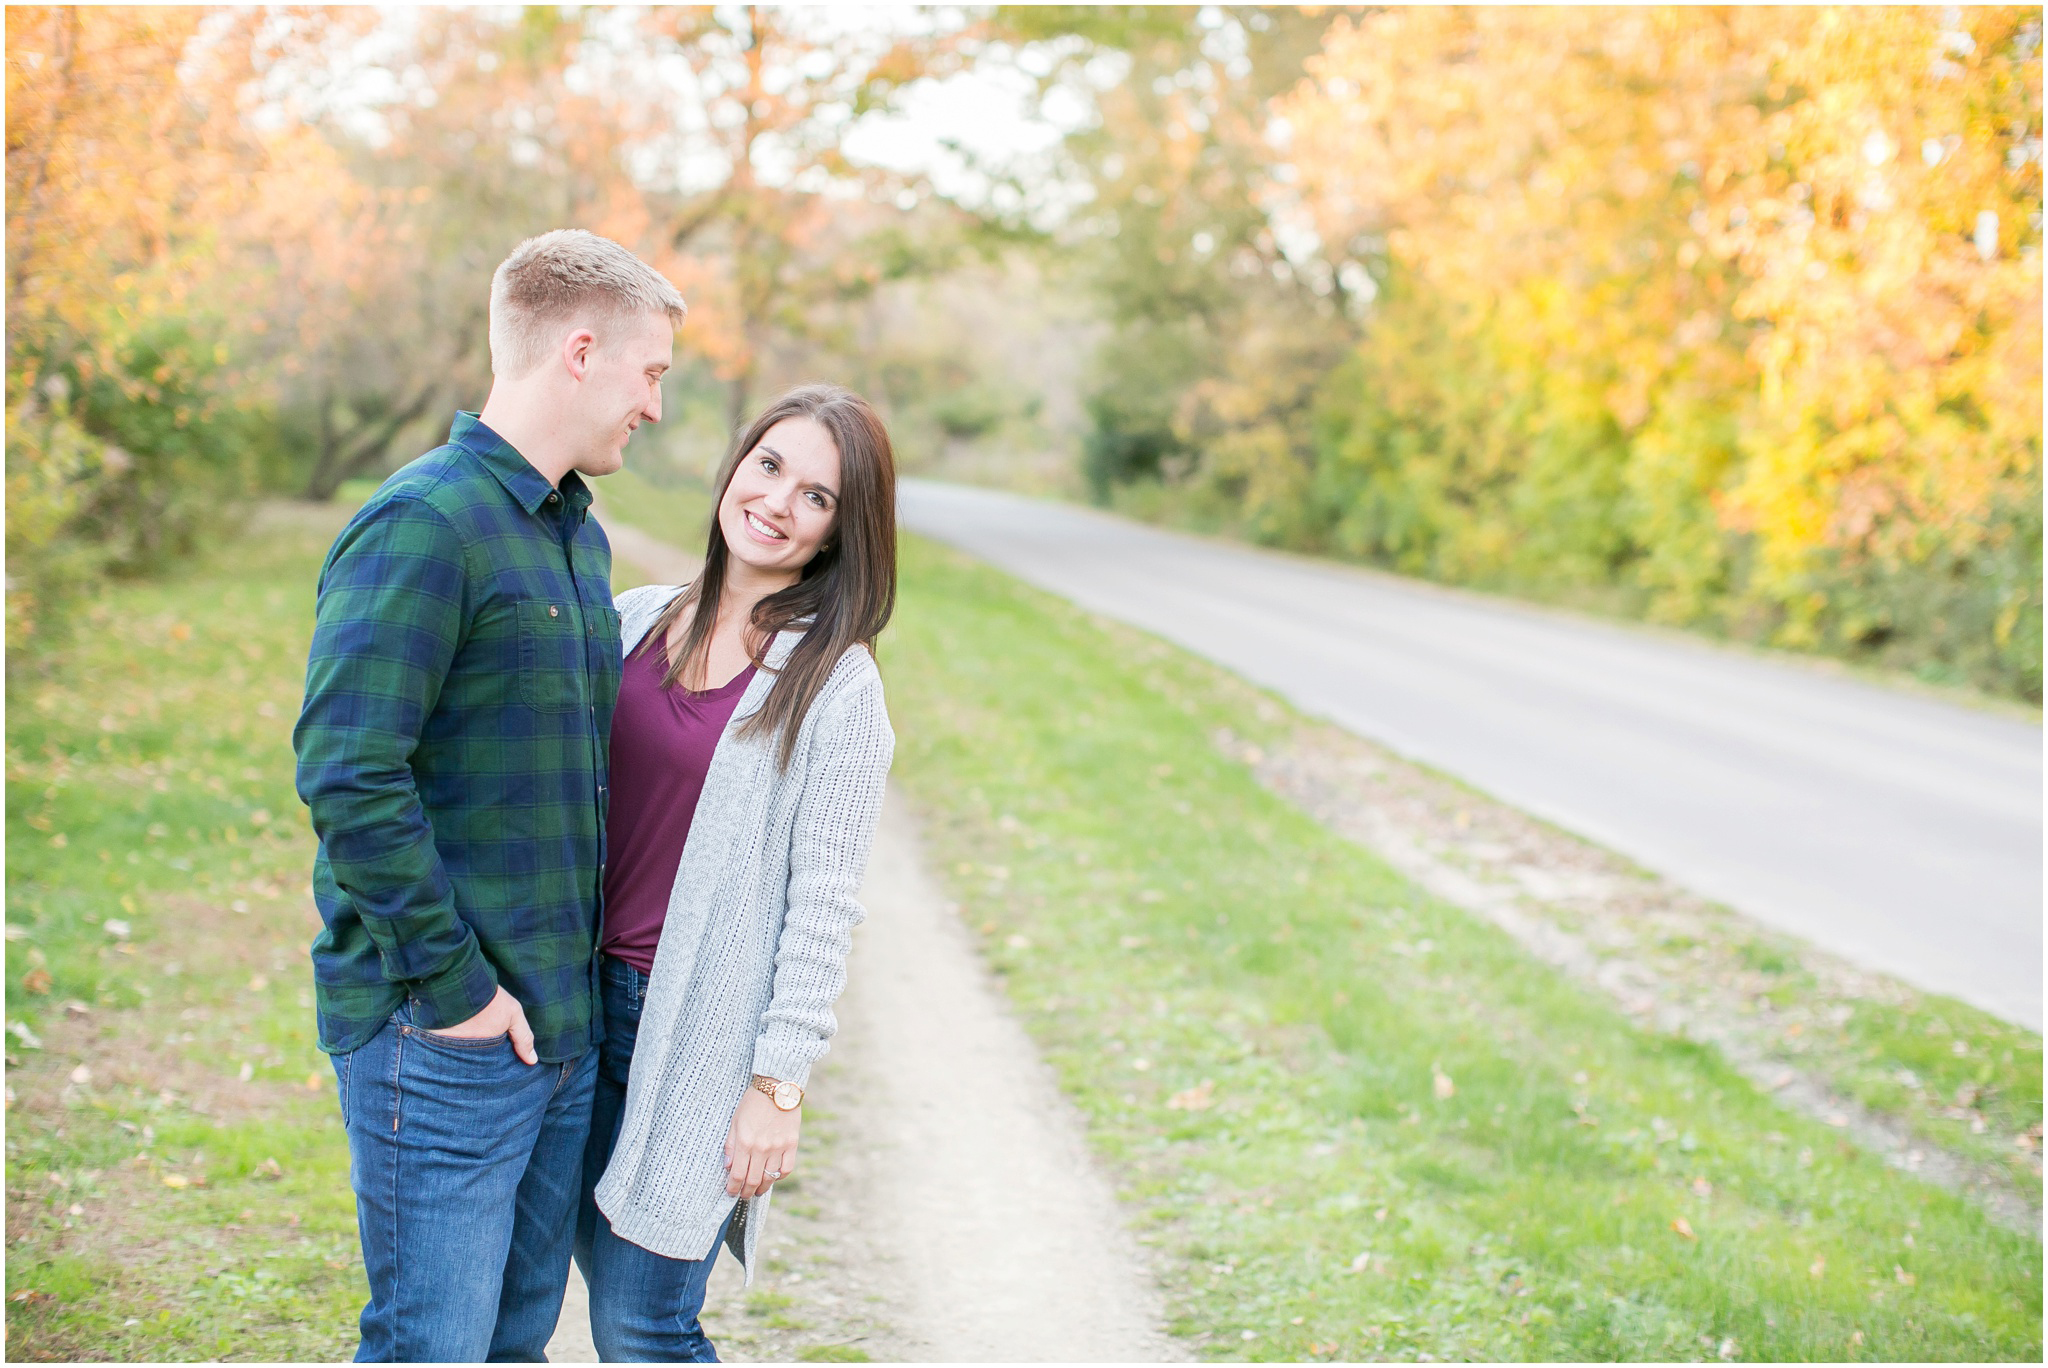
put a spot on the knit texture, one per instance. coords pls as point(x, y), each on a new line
point(753, 953)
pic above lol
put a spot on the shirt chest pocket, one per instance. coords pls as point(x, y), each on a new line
point(551, 655)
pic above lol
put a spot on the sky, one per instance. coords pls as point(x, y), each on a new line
point(952, 131)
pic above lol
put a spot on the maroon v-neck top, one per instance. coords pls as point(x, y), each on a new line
point(662, 741)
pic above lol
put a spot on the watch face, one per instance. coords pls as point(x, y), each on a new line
point(788, 1095)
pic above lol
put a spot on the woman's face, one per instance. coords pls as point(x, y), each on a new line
point(783, 501)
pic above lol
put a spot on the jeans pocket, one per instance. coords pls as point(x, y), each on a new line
point(463, 1044)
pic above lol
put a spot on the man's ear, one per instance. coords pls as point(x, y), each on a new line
point(576, 350)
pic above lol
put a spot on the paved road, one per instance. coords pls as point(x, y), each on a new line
point(1900, 832)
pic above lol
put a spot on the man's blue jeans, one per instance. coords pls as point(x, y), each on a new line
point(643, 1307)
point(467, 1165)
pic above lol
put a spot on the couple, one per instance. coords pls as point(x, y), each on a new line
point(587, 869)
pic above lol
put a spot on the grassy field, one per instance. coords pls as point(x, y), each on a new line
point(177, 1177)
point(1357, 1122)
point(674, 509)
point(1352, 1121)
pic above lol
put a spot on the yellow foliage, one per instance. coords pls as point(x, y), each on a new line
point(1817, 229)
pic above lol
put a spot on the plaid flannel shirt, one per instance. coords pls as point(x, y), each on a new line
point(453, 748)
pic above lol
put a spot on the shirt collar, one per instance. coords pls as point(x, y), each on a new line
point(527, 486)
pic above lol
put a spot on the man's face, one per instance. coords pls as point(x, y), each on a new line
point(621, 388)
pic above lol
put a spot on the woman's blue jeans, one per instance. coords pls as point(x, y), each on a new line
point(643, 1307)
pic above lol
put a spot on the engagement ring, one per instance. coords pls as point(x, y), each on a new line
point(772, 1174)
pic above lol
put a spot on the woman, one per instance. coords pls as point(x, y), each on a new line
point(748, 754)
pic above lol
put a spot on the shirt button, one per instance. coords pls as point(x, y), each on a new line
point(554, 611)
point(554, 498)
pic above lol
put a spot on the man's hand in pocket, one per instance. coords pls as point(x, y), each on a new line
point(502, 1015)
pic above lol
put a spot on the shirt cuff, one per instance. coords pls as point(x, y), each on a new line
point(456, 993)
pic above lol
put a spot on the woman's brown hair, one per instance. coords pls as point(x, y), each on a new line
point(847, 591)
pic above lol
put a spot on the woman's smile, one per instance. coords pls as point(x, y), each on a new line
point(763, 531)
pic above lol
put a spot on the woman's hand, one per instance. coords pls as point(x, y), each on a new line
point(761, 1145)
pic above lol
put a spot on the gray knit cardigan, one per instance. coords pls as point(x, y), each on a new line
point(753, 953)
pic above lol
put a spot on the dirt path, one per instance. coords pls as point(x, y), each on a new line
point(950, 1209)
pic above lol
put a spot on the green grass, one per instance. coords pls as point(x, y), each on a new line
point(1512, 1169)
point(157, 924)
point(158, 863)
point(674, 508)
point(1170, 911)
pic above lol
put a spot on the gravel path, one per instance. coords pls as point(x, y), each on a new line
point(948, 1209)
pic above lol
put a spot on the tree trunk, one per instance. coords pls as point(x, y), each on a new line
point(343, 457)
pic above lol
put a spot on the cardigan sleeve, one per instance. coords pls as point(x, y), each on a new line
point(836, 817)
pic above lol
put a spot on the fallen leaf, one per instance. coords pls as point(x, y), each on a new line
point(1441, 1081)
point(1702, 1188)
point(258, 984)
point(116, 928)
point(1683, 1227)
point(36, 981)
point(1817, 1268)
point(1905, 1279)
point(176, 1180)
point(1362, 1262)
point(314, 1082)
point(1018, 942)
point(248, 1071)
point(270, 1168)
point(82, 1074)
point(1201, 1097)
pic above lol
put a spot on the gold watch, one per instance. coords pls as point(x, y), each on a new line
point(786, 1096)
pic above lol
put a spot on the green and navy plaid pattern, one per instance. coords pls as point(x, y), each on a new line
point(453, 748)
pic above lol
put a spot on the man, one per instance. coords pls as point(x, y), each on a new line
point(453, 750)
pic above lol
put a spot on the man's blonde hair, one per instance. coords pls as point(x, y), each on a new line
point(550, 279)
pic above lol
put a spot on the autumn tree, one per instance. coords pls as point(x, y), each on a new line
point(139, 198)
point(1175, 243)
point(1735, 313)
point(749, 192)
